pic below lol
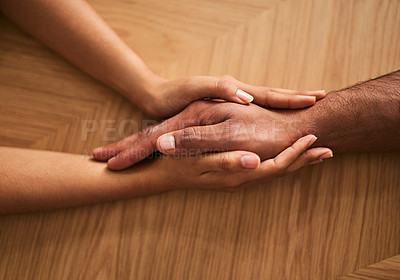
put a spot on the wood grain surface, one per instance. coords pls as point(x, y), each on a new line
point(388, 269)
point(318, 223)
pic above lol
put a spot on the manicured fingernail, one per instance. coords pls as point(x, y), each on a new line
point(250, 161)
point(326, 155)
point(313, 138)
point(310, 99)
point(166, 142)
point(244, 96)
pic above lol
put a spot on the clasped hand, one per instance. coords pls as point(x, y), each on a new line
point(242, 135)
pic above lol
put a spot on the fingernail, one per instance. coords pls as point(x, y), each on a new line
point(313, 138)
point(97, 150)
point(249, 161)
point(326, 155)
point(166, 142)
point(244, 96)
point(319, 91)
point(311, 99)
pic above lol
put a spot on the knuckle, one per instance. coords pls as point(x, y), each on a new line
point(269, 97)
point(191, 108)
point(189, 135)
point(267, 102)
point(146, 135)
point(223, 84)
point(194, 112)
point(227, 77)
point(225, 164)
point(280, 171)
point(290, 103)
point(141, 135)
point(293, 148)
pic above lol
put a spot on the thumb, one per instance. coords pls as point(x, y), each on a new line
point(213, 87)
point(195, 140)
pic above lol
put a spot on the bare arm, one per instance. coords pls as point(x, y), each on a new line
point(74, 30)
point(33, 180)
point(361, 118)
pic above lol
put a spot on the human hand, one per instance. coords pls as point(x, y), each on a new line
point(167, 98)
point(209, 126)
point(228, 171)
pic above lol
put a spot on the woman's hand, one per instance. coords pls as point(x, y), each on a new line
point(108, 59)
point(229, 171)
point(166, 98)
point(33, 180)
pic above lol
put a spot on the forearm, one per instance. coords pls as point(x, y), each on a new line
point(74, 30)
point(32, 180)
point(361, 118)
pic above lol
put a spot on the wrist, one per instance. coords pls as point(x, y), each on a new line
point(143, 91)
point(316, 120)
point(135, 80)
point(152, 95)
point(298, 123)
point(332, 123)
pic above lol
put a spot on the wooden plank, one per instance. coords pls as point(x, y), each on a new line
point(388, 269)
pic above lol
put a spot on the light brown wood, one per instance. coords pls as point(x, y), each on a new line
point(318, 223)
point(388, 269)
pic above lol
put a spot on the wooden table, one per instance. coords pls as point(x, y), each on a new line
point(318, 223)
point(386, 269)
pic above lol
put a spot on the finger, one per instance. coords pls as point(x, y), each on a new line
point(279, 165)
point(227, 170)
point(130, 156)
point(110, 150)
point(281, 100)
point(265, 90)
point(106, 152)
point(317, 93)
point(196, 140)
point(235, 161)
point(179, 121)
point(142, 144)
point(213, 87)
point(311, 156)
point(231, 174)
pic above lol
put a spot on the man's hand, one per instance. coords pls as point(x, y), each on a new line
point(209, 126)
point(166, 98)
